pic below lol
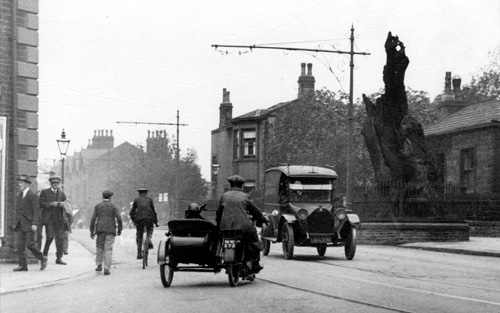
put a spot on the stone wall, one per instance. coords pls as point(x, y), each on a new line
point(485, 229)
point(400, 233)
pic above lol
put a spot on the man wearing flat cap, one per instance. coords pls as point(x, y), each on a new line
point(237, 211)
point(143, 215)
point(54, 217)
point(104, 223)
point(25, 223)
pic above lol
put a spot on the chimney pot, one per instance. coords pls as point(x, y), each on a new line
point(302, 69)
point(309, 69)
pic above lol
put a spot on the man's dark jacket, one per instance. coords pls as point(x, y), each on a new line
point(27, 211)
point(236, 211)
point(56, 214)
point(105, 218)
point(143, 209)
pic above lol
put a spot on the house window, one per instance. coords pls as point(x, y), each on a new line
point(249, 143)
point(236, 144)
point(468, 170)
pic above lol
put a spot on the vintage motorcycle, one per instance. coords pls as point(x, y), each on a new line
point(197, 245)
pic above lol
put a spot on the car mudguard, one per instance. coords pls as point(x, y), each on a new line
point(354, 219)
point(162, 251)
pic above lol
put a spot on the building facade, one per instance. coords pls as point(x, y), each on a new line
point(466, 142)
point(18, 108)
point(238, 143)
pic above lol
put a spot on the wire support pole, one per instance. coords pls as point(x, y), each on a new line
point(177, 152)
point(350, 107)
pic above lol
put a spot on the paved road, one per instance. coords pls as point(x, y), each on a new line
point(379, 279)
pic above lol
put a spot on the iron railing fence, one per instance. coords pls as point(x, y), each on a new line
point(397, 202)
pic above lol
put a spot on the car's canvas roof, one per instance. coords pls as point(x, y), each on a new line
point(305, 170)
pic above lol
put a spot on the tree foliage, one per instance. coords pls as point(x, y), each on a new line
point(485, 85)
point(313, 131)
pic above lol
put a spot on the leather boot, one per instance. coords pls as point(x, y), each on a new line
point(139, 253)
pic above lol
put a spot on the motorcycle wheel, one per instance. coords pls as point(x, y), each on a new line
point(321, 250)
point(233, 274)
point(350, 244)
point(167, 274)
point(267, 246)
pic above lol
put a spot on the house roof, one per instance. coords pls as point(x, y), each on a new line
point(472, 116)
point(259, 113)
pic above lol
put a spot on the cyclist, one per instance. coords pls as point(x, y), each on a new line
point(143, 215)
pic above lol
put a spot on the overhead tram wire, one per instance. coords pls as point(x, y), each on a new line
point(350, 118)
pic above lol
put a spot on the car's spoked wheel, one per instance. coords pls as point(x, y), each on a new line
point(267, 246)
point(233, 274)
point(321, 250)
point(350, 244)
point(287, 241)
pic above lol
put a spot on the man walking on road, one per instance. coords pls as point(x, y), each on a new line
point(103, 223)
point(54, 217)
point(143, 215)
point(26, 221)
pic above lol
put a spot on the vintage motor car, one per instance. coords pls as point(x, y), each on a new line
point(299, 203)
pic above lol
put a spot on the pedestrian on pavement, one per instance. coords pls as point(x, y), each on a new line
point(143, 215)
point(104, 223)
point(25, 223)
point(54, 217)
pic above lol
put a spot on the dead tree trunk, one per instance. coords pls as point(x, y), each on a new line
point(394, 139)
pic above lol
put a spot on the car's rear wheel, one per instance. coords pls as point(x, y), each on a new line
point(287, 241)
point(267, 246)
point(350, 244)
point(321, 250)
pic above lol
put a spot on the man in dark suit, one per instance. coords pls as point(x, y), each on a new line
point(53, 217)
point(26, 221)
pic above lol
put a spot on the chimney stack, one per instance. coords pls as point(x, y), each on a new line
point(226, 110)
point(306, 81)
point(451, 100)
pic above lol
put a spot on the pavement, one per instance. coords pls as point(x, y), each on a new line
point(81, 262)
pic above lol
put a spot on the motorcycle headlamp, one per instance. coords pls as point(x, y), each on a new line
point(340, 214)
point(302, 214)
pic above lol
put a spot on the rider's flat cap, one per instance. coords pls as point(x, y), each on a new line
point(141, 190)
point(235, 179)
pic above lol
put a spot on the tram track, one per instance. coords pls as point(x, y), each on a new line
point(436, 285)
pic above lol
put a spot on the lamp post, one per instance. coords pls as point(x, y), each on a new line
point(215, 172)
point(63, 145)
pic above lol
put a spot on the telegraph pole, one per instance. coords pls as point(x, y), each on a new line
point(350, 117)
point(177, 124)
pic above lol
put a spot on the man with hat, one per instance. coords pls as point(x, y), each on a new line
point(25, 223)
point(143, 215)
point(54, 217)
point(103, 223)
point(237, 211)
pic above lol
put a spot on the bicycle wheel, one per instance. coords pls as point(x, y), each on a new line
point(145, 250)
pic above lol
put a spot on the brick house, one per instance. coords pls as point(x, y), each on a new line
point(18, 108)
point(466, 142)
point(238, 143)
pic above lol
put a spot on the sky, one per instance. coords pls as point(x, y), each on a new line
point(104, 61)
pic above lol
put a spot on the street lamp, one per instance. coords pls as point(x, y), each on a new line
point(63, 145)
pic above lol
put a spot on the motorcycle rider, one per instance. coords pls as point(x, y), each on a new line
point(236, 211)
point(143, 215)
